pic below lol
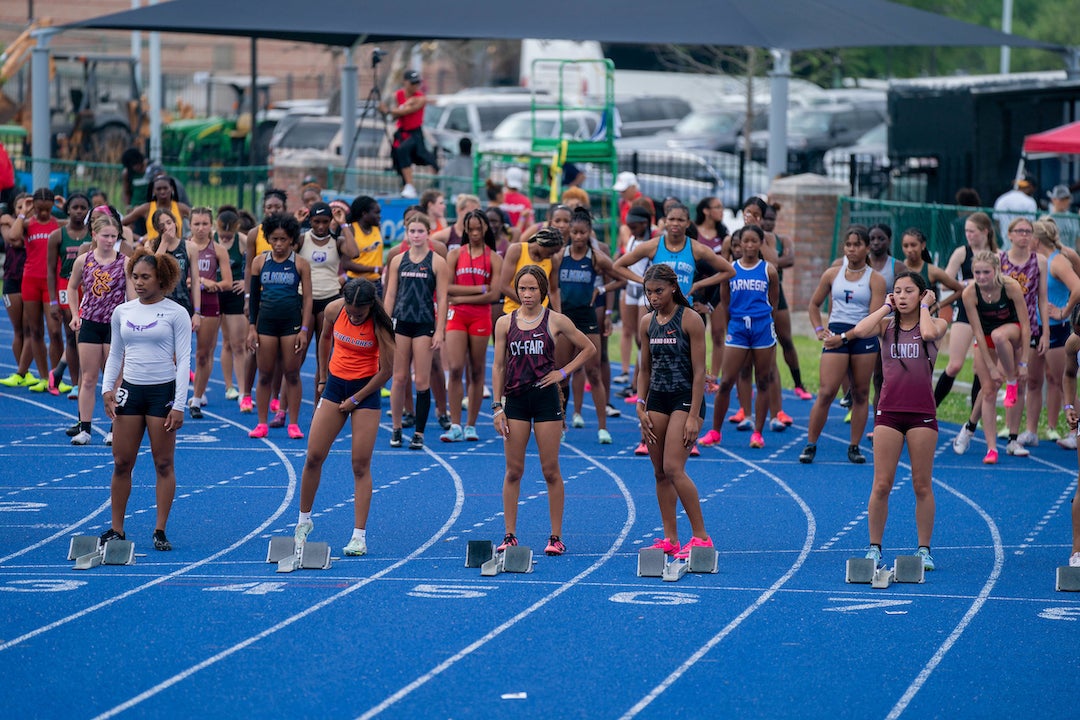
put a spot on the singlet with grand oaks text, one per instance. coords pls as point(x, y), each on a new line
point(669, 350)
point(415, 288)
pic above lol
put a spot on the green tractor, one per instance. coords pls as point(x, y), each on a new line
point(221, 141)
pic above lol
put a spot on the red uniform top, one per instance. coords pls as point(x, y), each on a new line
point(414, 120)
point(907, 368)
point(36, 236)
point(356, 349)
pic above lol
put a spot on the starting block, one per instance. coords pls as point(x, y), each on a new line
point(114, 552)
point(514, 559)
point(289, 557)
point(906, 569)
point(652, 562)
point(83, 545)
point(478, 552)
point(860, 570)
point(909, 569)
point(1068, 579)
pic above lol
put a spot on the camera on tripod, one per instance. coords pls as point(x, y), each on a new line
point(377, 55)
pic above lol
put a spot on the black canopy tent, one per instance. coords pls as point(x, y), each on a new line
point(780, 25)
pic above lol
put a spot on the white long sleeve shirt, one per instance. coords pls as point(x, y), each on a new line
point(152, 344)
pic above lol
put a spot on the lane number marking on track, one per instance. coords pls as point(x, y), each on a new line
point(41, 585)
point(655, 597)
point(1069, 614)
point(450, 592)
point(250, 588)
point(859, 604)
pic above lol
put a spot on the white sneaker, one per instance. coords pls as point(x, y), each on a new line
point(408, 192)
point(1074, 560)
point(1068, 442)
point(303, 529)
point(1028, 439)
point(1015, 448)
point(962, 441)
point(356, 547)
point(578, 421)
point(83, 438)
point(108, 438)
point(73, 394)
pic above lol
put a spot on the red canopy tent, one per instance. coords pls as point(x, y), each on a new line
point(1064, 140)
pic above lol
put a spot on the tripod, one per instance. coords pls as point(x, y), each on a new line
point(370, 110)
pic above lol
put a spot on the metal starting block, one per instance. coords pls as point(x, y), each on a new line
point(478, 552)
point(651, 562)
point(514, 559)
point(1068, 579)
point(83, 545)
point(308, 556)
point(908, 569)
point(860, 570)
point(882, 578)
point(114, 552)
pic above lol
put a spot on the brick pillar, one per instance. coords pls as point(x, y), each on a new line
point(808, 216)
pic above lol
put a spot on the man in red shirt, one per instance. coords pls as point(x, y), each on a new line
point(626, 184)
point(408, 147)
point(515, 204)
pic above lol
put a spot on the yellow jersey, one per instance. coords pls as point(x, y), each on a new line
point(369, 247)
point(509, 304)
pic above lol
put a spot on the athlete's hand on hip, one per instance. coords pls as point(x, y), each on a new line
point(552, 378)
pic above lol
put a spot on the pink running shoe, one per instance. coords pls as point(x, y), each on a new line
point(991, 457)
point(508, 540)
point(1010, 395)
point(53, 390)
point(670, 547)
point(710, 438)
point(641, 449)
point(275, 405)
point(756, 441)
point(295, 432)
point(631, 399)
point(694, 452)
point(737, 417)
point(785, 418)
point(555, 546)
point(802, 394)
point(261, 430)
point(246, 405)
point(684, 553)
point(278, 420)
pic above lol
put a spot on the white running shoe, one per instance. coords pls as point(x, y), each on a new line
point(83, 438)
point(356, 547)
point(409, 192)
point(1028, 439)
point(1068, 442)
point(962, 441)
point(108, 438)
point(303, 529)
point(578, 421)
point(1074, 560)
point(1015, 448)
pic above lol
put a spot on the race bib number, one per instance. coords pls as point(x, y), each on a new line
point(63, 297)
point(450, 314)
point(121, 396)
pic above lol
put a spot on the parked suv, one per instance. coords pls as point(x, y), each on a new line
point(473, 114)
point(649, 114)
point(813, 131)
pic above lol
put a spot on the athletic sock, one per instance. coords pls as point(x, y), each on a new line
point(796, 377)
point(58, 371)
point(359, 534)
point(1012, 437)
point(305, 517)
point(971, 426)
point(976, 386)
point(84, 426)
point(943, 388)
point(876, 545)
point(423, 409)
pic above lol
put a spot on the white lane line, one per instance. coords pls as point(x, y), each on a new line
point(804, 553)
point(631, 517)
point(285, 503)
point(459, 501)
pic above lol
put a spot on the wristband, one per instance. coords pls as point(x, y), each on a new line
point(354, 400)
point(197, 311)
point(608, 312)
point(563, 373)
point(247, 296)
point(54, 302)
point(891, 307)
point(818, 329)
point(924, 306)
point(21, 217)
point(843, 337)
point(1068, 407)
point(497, 413)
point(304, 328)
point(641, 401)
point(1021, 364)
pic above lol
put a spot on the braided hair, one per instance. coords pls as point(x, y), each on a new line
point(662, 272)
point(360, 292)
